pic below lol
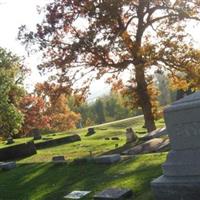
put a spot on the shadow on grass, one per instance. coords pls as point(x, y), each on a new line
point(46, 181)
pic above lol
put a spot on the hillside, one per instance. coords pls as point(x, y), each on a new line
point(36, 178)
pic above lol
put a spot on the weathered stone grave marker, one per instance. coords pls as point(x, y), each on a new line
point(10, 140)
point(108, 159)
point(36, 134)
point(58, 159)
point(77, 194)
point(113, 194)
point(181, 171)
point(90, 132)
point(130, 135)
point(115, 138)
point(8, 165)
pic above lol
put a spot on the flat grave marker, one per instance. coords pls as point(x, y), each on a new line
point(113, 194)
point(77, 194)
point(108, 159)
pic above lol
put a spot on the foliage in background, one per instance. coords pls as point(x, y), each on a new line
point(60, 116)
point(105, 109)
point(11, 91)
point(33, 109)
point(117, 35)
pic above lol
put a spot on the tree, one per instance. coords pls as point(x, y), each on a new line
point(118, 35)
point(33, 109)
point(162, 82)
point(99, 110)
point(10, 116)
point(61, 117)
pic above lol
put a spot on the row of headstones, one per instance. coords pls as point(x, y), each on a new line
point(105, 159)
point(130, 135)
point(36, 136)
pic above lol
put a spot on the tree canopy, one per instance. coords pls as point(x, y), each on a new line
point(87, 39)
point(10, 92)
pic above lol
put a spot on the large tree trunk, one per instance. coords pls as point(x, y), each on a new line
point(144, 99)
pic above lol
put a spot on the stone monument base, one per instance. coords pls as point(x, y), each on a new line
point(176, 188)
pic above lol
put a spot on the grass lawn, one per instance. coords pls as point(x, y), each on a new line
point(36, 178)
point(44, 181)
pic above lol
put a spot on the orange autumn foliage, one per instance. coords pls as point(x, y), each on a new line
point(61, 117)
point(33, 109)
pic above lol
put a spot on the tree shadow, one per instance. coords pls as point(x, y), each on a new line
point(52, 182)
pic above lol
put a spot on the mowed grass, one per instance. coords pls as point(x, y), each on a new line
point(36, 178)
point(45, 181)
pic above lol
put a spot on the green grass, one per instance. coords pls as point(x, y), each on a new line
point(36, 178)
point(44, 181)
point(27, 139)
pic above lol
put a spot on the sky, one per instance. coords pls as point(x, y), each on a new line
point(14, 13)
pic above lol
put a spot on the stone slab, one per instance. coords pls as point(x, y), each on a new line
point(182, 163)
point(77, 194)
point(113, 194)
point(108, 159)
point(176, 188)
point(153, 145)
point(8, 165)
point(155, 134)
point(58, 159)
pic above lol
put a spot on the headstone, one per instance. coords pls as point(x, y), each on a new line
point(108, 159)
point(181, 171)
point(1, 163)
point(153, 145)
point(77, 194)
point(90, 132)
point(130, 135)
point(58, 159)
point(155, 134)
point(10, 140)
point(36, 134)
point(113, 194)
point(115, 138)
point(8, 165)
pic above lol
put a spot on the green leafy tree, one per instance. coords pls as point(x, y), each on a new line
point(10, 117)
point(99, 110)
point(10, 92)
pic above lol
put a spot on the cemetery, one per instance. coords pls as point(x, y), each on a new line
point(100, 100)
point(77, 171)
point(84, 168)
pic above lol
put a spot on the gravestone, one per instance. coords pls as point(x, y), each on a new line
point(153, 145)
point(90, 132)
point(77, 194)
point(8, 165)
point(108, 159)
point(130, 135)
point(181, 171)
point(155, 134)
point(10, 140)
point(113, 194)
point(58, 159)
point(36, 134)
point(115, 138)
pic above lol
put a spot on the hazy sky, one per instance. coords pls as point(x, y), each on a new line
point(14, 13)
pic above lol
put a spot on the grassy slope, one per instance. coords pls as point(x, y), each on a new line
point(36, 179)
